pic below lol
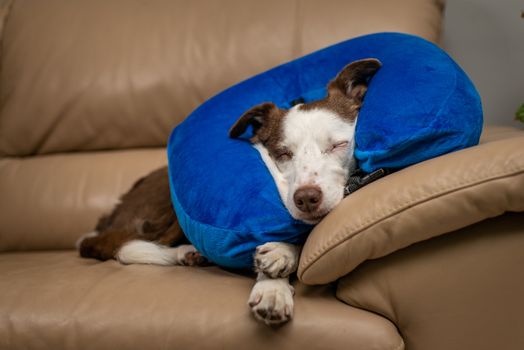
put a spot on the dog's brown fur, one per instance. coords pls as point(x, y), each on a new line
point(145, 213)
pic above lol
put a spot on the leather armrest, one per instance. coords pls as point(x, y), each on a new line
point(457, 291)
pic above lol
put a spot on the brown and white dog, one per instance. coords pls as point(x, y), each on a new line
point(309, 151)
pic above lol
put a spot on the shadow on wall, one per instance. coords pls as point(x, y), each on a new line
point(486, 38)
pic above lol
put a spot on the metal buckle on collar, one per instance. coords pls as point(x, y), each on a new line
point(359, 179)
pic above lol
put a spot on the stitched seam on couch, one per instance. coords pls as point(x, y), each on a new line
point(5, 10)
point(344, 236)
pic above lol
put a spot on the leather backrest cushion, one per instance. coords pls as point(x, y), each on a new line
point(98, 74)
point(417, 203)
point(50, 201)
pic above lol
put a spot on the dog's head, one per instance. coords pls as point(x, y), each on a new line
point(312, 144)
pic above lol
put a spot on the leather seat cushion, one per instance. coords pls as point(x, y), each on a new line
point(55, 300)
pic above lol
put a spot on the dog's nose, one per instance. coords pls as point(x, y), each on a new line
point(308, 198)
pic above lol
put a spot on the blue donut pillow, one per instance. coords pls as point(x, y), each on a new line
point(419, 105)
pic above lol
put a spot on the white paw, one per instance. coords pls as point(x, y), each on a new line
point(271, 301)
point(84, 236)
point(189, 256)
point(277, 259)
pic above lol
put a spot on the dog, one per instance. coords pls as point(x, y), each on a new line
point(308, 149)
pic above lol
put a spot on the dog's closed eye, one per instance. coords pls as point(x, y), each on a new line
point(283, 155)
point(337, 146)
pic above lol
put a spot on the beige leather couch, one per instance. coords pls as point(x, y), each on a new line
point(89, 91)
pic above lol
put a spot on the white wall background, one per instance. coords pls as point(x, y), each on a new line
point(486, 37)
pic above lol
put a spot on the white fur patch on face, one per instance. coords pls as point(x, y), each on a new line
point(322, 145)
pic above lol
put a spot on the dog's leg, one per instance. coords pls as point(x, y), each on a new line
point(102, 245)
point(271, 299)
point(144, 252)
point(277, 259)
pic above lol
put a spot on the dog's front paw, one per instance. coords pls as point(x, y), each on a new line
point(271, 301)
point(277, 259)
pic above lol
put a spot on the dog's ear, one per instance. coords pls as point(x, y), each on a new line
point(353, 79)
point(257, 117)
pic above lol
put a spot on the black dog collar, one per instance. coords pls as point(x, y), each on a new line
point(359, 179)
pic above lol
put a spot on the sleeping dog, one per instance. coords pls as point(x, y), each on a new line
point(308, 150)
